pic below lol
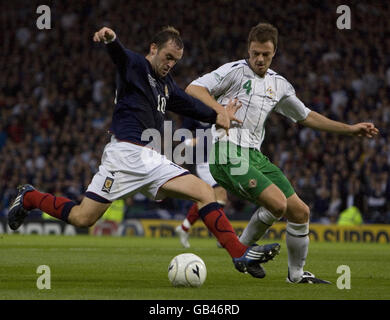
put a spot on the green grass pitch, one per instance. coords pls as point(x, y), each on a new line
point(132, 268)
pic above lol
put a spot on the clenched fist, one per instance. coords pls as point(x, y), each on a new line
point(104, 34)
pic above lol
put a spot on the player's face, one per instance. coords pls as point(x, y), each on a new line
point(165, 58)
point(260, 56)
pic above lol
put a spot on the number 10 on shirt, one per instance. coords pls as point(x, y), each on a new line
point(161, 103)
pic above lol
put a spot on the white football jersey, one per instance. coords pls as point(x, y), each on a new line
point(259, 96)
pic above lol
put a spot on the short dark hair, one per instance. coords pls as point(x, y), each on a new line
point(166, 34)
point(263, 32)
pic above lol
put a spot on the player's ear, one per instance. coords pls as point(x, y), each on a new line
point(273, 55)
point(153, 49)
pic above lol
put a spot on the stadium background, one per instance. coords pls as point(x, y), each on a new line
point(57, 90)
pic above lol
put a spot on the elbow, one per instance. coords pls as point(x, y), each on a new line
point(188, 90)
point(308, 121)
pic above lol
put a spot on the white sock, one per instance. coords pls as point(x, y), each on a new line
point(186, 225)
point(297, 241)
point(259, 223)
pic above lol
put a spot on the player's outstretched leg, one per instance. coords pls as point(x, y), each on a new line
point(28, 198)
point(17, 213)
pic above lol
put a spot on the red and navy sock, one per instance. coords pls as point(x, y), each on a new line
point(216, 221)
point(57, 207)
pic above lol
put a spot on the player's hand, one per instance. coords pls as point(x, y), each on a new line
point(231, 109)
point(104, 35)
point(364, 130)
point(227, 114)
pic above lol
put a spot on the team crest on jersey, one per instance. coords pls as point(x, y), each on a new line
point(107, 184)
point(166, 91)
point(152, 81)
point(252, 183)
point(270, 93)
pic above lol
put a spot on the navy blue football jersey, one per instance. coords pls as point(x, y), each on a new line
point(142, 97)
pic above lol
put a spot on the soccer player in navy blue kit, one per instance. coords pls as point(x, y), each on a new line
point(145, 90)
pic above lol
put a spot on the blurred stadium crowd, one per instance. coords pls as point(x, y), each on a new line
point(57, 91)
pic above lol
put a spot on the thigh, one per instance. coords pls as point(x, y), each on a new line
point(187, 187)
point(275, 175)
point(273, 199)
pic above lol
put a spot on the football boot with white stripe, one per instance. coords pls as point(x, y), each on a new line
point(16, 212)
point(307, 277)
point(251, 260)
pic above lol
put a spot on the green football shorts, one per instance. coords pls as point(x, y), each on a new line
point(245, 172)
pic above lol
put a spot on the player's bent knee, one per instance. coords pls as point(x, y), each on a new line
point(280, 208)
point(274, 200)
point(305, 213)
point(299, 214)
point(277, 206)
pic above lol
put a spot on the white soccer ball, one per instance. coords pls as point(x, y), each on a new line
point(187, 270)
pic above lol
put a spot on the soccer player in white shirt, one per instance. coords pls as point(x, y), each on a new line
point(236, 161)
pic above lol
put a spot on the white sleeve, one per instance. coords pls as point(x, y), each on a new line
point(218, 81)
point(293, 108)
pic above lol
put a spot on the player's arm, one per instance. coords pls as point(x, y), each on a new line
point(292, 107)
point(115, 49)
point(223, 118)
point(182, 103)
point(200, 89)
point(317, 121)
point(204, 95)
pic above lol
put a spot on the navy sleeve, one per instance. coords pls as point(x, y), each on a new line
point(117, 52)
point(190, 124)
point(183, 104)
point(124, 59)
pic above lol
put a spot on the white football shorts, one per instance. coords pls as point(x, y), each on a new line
point(203, 172)
point(127, 168)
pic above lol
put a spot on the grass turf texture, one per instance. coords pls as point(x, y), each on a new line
point(89, 267)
